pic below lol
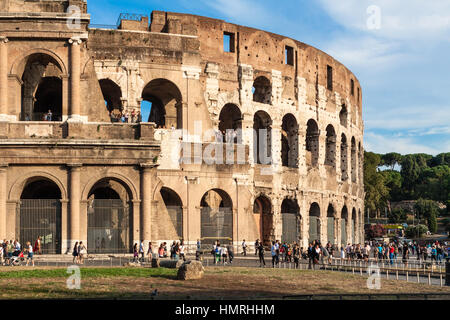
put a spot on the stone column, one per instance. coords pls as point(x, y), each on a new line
point(74, 203)
point(75, 71)
point(3, 78)
point(3, 173)
point(146, 202)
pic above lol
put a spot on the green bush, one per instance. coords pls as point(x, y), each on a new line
point(416, 231)
point(397, 215)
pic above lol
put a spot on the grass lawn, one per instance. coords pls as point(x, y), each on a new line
point(217, 283)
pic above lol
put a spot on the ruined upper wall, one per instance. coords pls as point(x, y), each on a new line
point(41, 6)
point(265, 52)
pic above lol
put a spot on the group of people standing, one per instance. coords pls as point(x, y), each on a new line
point(126, 117)
point(10, 249)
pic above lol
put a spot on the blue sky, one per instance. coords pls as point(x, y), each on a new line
point(403, 64)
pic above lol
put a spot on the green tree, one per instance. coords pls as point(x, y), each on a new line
point(416, 231)
point(440, 159)
point(391, 159)
point(393, 181)
point(434, 183)
point(412, 166)
point(377, 193)
point(397, 216)
point(428, 210)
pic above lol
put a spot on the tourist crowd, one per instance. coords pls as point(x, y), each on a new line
point(13, 249)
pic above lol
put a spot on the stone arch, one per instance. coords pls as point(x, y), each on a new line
point(291, 221)
point(166, 103)
point(216, 212)
point(263, 46)
point(343, 116)
point(330, 147)
point(314, 222)
point(173, 204)
point(353, 159)
point(41, 88)
point(331, 223)
point(109, 214)
point(17, 188)
point(353, 226)
point(312, 143)
point(262, 90)
point(112, 94)
point(289, 141)
point(230, 123)
point(262, 137)
point(344, 225)
point(344, 155)
point(19, 63)
point(134, 195)
point(40, 214)
point(263, 214)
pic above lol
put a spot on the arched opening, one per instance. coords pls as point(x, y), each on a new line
point(353, 160)
point(353, 226)
point(291, 221)
point(262, 138)
point(216, 217)
point(41, 89)
point(262, 90)
point(289, 141)
point(262, 211)
point(361, 163)
point(330, 147)
point(343, 116)
point(331, 224)
point(314, 222)
point(344, 220)
point(112, 94)
point(165, 102)
point(109, 217)
point(230, 123)
point(40, 215)
point(174, 208)
point(312, 143)
point(344, 152)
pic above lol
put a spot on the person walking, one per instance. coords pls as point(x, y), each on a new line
point(217, 253)
point(256, 246)
point(29, 249)
point(273, 251)
point(82, 252)
point(391, 251)
point(405, 255)
point(260, 250)
point(150, 252)
point(224, 254)
point(296, 255)
point(37, 246)
point(1, 254)
point(75, 253)
point(135, 252)
point(141, 250)
point(182, 256)
point(230, 253)
point(244, 248)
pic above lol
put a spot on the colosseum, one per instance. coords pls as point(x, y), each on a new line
point(251, 135)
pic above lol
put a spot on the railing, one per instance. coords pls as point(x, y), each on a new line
point(130, 16)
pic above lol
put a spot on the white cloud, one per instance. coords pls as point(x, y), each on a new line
point(400, 19)
point(410, 118)
point(382, 144)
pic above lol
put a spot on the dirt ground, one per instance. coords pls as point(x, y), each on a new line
point(217, 283)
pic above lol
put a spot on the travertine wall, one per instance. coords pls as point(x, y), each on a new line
point(180, 56)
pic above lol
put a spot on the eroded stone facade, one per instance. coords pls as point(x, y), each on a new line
point(309, 104)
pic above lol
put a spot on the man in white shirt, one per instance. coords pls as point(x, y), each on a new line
point(244, 248)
